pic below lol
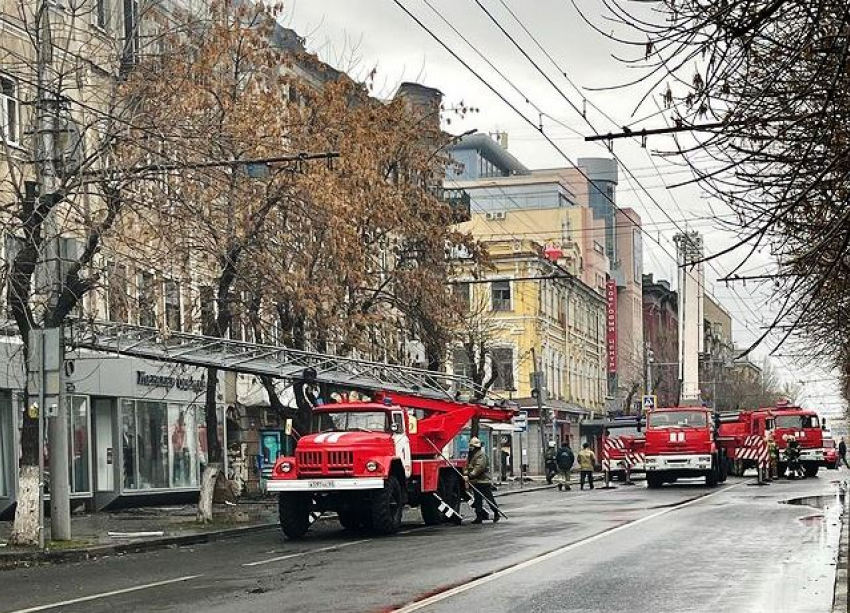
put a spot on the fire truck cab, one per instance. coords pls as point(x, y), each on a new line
point(681, 442)
point(806, 427)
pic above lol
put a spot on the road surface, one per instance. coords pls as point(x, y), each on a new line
point(734, 548)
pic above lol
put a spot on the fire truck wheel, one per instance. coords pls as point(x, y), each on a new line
point(812, 470)
point(711, 476)
point(653, 482)
point(451, 491)
point(294, 511)
point(387, 507)
point(430, 508)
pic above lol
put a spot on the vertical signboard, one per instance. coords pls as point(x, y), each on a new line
point(611, 324)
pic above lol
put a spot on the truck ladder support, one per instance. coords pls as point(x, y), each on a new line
point(264, 360)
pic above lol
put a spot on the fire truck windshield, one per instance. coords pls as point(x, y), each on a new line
point(797, 421)
point(678, 419)
point(347, 421)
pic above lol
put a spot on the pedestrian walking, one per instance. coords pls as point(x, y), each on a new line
point(586, 463)
point(565, 460)
point(842, 452)
point(478, 475)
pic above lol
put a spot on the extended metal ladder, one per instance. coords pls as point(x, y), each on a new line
point(263, 360)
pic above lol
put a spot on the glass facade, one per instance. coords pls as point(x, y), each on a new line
point(78, 444)
point(7, 468)
point(163, 445)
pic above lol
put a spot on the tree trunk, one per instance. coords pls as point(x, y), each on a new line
point(25, 531)
point(213, 470)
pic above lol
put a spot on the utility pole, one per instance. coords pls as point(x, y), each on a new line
point(538, 386)
point(50, 354)
point(648, 357)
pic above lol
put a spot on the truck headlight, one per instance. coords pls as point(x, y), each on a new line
point(285, 467)
point(705, 459)
point(371, 466)
point(650, 461)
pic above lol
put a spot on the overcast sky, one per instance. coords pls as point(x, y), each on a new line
point(359, 35)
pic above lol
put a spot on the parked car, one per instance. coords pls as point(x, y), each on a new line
point(830, 453)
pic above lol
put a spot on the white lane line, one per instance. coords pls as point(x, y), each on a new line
point(421, 604)
point(307, 553)
point(126, 590)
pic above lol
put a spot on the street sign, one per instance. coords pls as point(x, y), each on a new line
point(650, 402)
point(521, 421)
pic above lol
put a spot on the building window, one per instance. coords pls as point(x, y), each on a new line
point(501, 291)
point(172, 305)
point(460, 363)
point(207, 311)
point(9, 110)
point(502, 359)
point(131, 32)
point(146, 299)
point(99, 16)
point(117, 293)
point(461, 293)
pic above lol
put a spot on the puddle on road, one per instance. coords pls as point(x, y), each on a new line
point(817, 502)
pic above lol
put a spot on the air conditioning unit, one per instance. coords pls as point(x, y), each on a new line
point(496, 215)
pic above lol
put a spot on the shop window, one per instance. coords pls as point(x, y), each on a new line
point(163, 445)
point(7, 433)
point(183, 439)
point(502, 359)
point(501, 295)
point(79, 444)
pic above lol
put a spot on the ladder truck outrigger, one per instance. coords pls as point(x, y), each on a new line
point(366, 460)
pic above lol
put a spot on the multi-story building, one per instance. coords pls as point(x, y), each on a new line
point(136, 427)
point(661, 334)
point(526, 307)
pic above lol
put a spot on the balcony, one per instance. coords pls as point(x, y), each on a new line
point(460, 204)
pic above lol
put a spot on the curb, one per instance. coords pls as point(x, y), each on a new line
point(840, 599)
point(10, 560)
point(525, 490)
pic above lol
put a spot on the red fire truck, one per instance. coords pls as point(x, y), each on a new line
point(682, 442)
point(806, 427)
point(367, 460)
point(735, 429)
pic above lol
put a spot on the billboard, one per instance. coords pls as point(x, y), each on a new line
point(611, 323)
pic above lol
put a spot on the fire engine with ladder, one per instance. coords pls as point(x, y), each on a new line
point(364, 460)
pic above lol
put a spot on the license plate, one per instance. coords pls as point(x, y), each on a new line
point(321, 485)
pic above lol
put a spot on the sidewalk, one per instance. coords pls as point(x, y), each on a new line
point(140, 529)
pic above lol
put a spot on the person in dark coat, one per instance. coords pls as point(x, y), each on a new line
point(565, 460)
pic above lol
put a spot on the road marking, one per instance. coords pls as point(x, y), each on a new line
point(421, 604)
point(306, 553)
point(126, 590)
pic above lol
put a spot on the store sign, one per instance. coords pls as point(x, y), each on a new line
point(611, 323)
point(184, 384)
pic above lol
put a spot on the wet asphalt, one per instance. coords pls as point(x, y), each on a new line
point(682, 548)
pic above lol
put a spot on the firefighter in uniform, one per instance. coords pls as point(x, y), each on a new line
point(478, 475)
point(565, 460)
point(772, 457)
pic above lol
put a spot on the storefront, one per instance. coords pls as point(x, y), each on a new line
point(135, 428)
